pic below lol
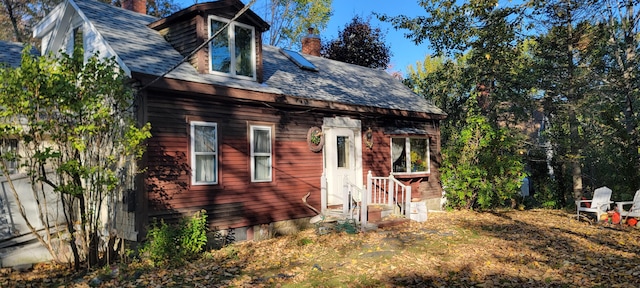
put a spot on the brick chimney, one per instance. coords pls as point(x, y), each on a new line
point(311, 44)
point(139, 6)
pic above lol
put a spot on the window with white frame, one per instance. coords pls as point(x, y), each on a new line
point(261, 157)
point(204, 153)
point(410, 155)
point(232, 52)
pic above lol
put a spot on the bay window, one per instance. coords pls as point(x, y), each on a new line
point(204, 153)
point(410, 155)
point(261, 157)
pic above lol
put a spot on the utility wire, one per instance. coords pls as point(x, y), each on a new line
point(244, 9)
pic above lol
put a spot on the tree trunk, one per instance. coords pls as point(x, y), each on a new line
point(575, 151)
point(69, 214)
point(13, 18)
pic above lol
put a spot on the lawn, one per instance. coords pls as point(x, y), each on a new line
point(532, 248)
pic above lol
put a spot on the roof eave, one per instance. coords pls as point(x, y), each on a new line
point(271, 98)
point(200, 9)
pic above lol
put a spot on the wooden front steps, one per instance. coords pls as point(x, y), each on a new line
point(382, 216)
point(379, 216)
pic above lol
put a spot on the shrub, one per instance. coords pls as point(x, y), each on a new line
point(161, 243)
point(481, 167)
point(175, 243)
point(193, 235)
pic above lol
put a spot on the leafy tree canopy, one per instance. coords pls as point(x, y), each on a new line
point(290, 19)
point(359, 44)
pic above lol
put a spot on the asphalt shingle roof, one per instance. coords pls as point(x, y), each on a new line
point(11, 53)
point(144, 50)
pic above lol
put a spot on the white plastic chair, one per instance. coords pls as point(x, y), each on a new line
point(634, 210)
point(599, 203)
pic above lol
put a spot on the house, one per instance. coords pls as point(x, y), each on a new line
point(245, 130)
point(17, 245)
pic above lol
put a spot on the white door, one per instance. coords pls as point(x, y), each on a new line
point(340, 162)
point(342, 158)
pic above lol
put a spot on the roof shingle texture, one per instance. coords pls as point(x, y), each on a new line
point(11, 53)
point(144, 50)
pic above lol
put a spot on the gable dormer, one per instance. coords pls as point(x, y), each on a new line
point(235, 52)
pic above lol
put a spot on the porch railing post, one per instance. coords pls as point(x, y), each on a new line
point(392, 190)
point(407, 202)
point(323, 193)
point(364, 201)
point(346, 198)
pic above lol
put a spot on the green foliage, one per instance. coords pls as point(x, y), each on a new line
point(446, 84)
point(156, 8)
point(481, 167)
point(193, 235)
point(176, 243)
point(304, 241)
point(76, 117)
point(455, 27)
point(360, 44)
point(161, 8)
point(290, 20)
point(161, 246)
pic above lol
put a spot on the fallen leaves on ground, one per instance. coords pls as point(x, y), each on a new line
point(533, 248)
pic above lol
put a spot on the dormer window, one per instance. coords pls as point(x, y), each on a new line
point(232, 52)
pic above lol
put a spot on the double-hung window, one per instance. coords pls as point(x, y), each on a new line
point(232, 51)
point(261, 153)
point(204, 153)
point(410, 155)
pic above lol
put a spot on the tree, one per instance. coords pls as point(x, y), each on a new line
point(18, 16)
point(490, 36)
point(76, 119)
point(290, 20)
point(161, 8)
point(481, 167)
point(444, 82)
point(479, 79)
point(156, 8)
point(360, 44)
point(622, 30)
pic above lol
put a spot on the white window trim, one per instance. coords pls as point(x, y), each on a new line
point(193, 124)
point(232, 43)
point(254, 154)
point(407, 155)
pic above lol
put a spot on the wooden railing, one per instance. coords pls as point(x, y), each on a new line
point(353, 194)
point(386, 191)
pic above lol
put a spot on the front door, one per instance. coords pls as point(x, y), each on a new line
point(342, 157)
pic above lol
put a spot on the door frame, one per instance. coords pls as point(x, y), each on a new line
point(328, 127)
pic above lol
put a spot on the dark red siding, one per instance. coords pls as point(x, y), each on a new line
point(235, 201)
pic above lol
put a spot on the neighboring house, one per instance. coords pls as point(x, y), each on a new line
point(233, 125)
point(10, 56)
point(17, 244)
